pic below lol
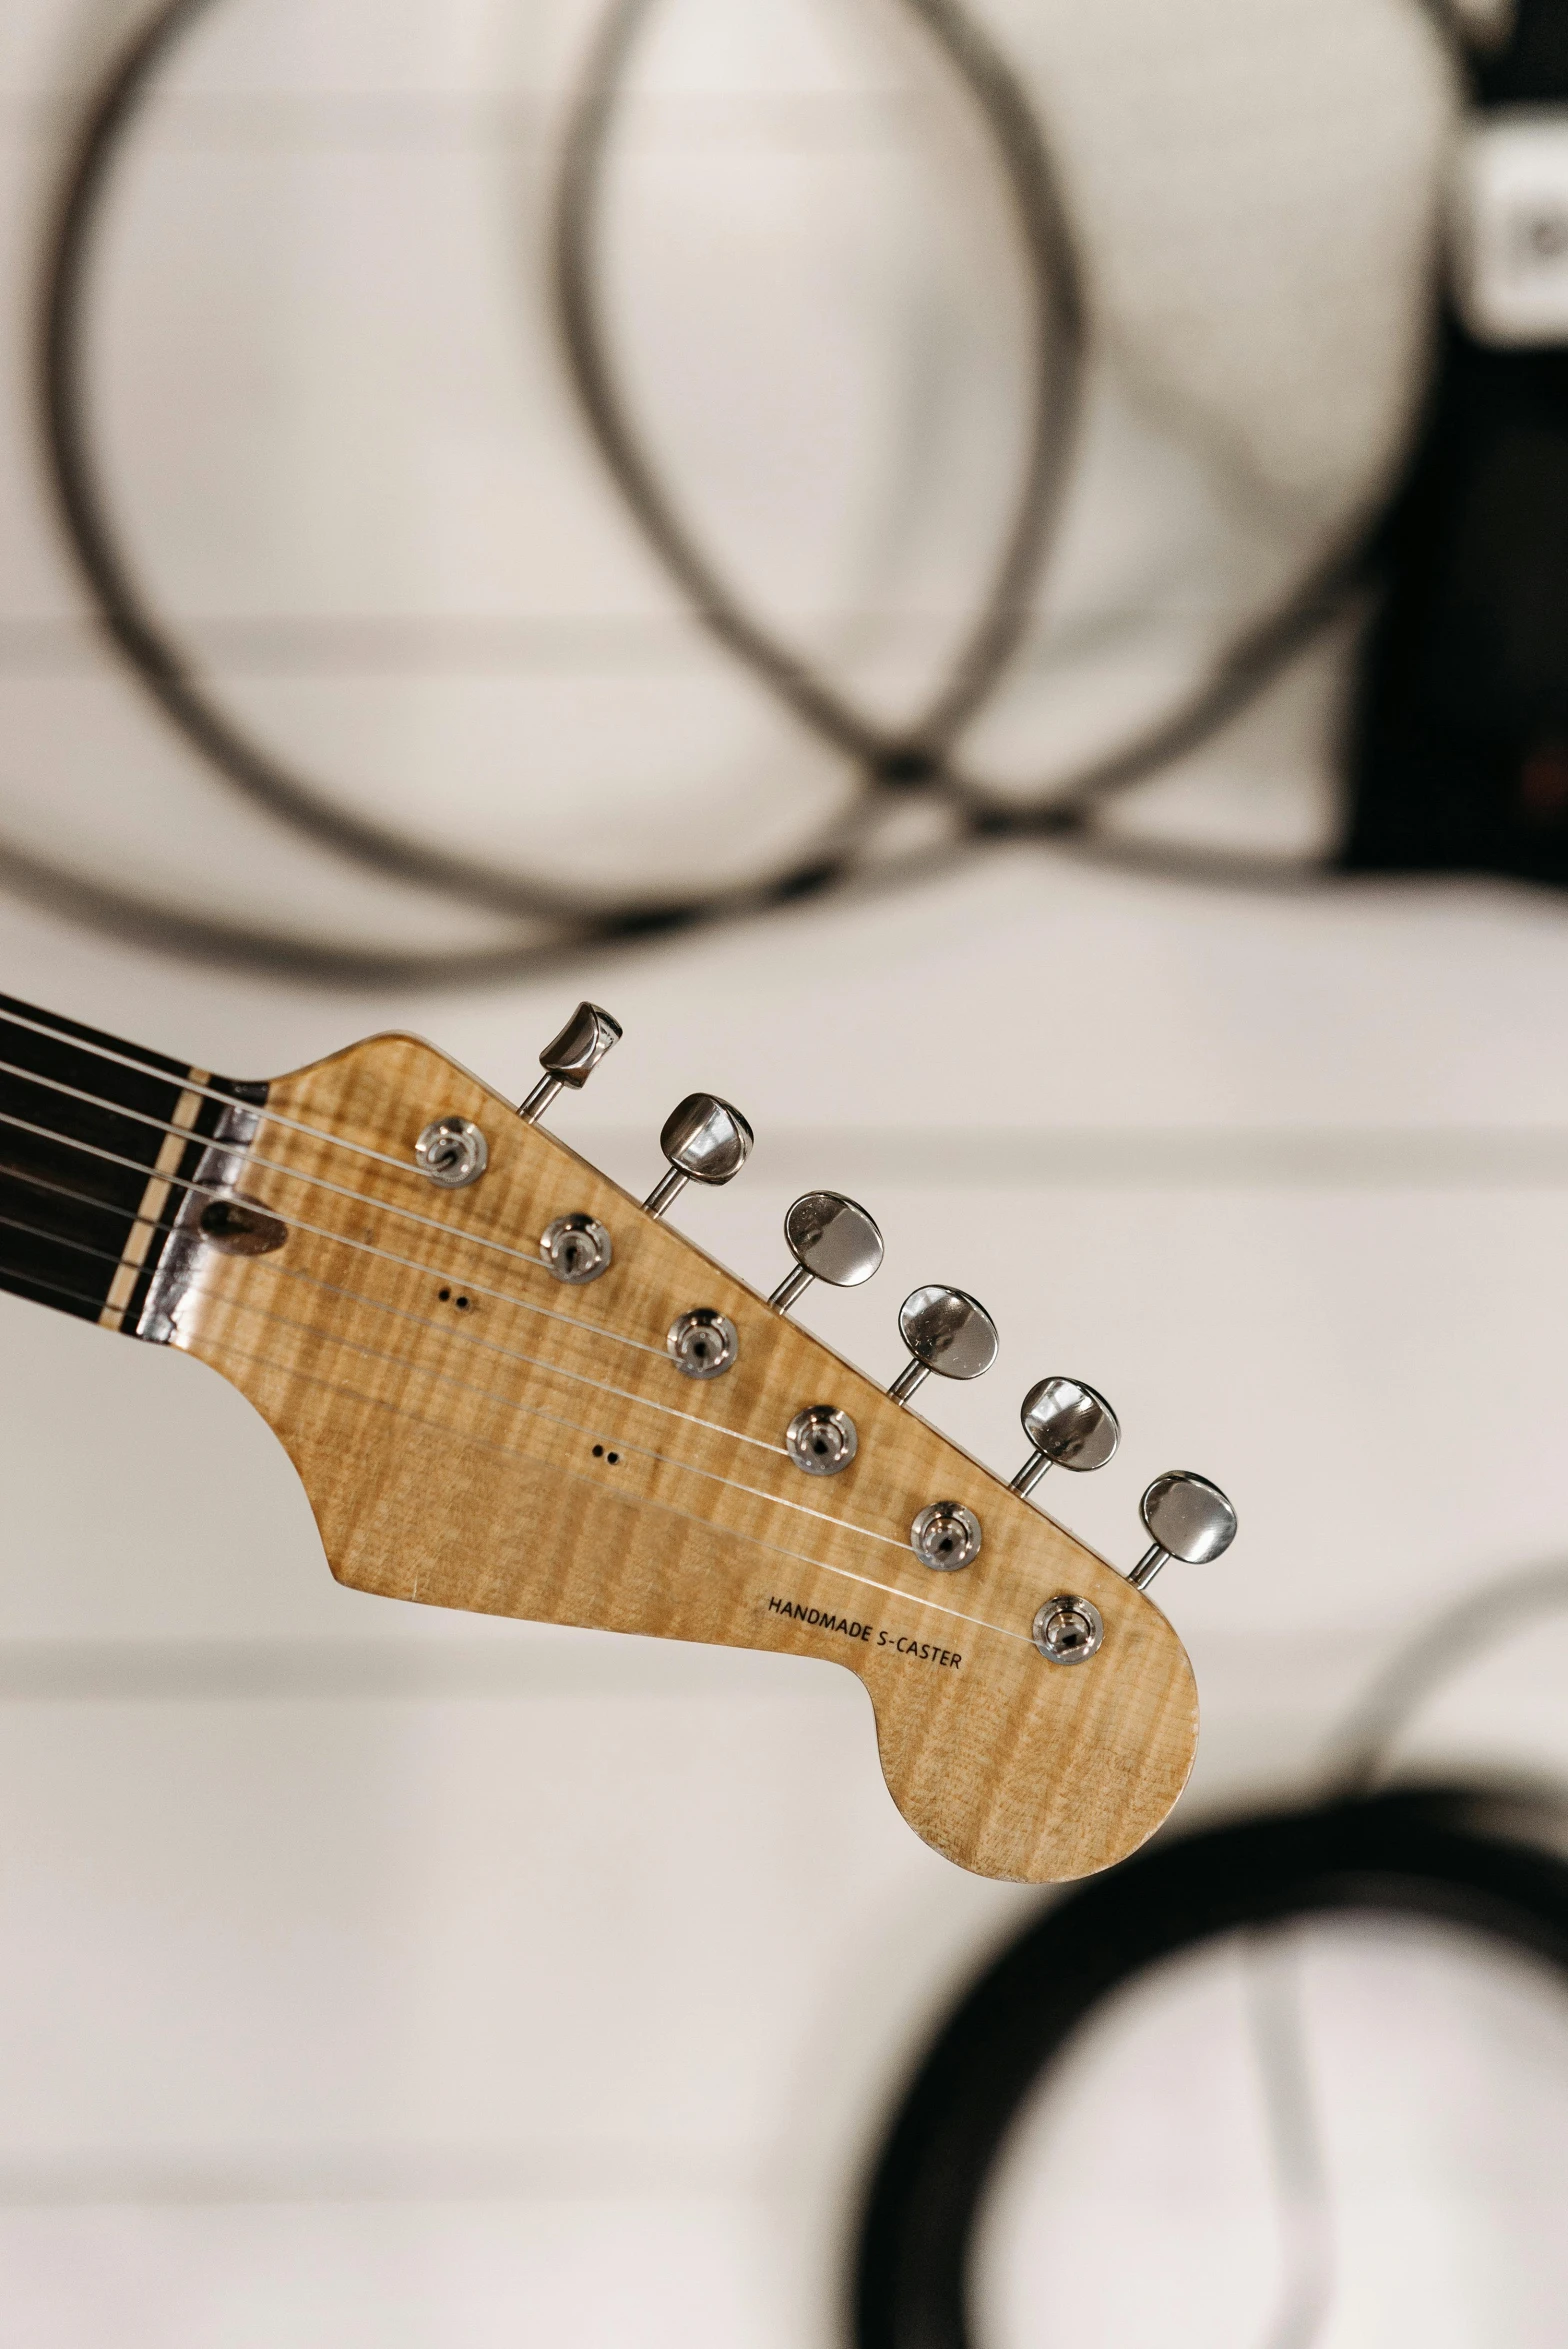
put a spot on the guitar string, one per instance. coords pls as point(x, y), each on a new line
point(363, 1247)
point(671, 1508)
point(367, 1200)
point(36, 1280)
point(507, 1402)
point(14, 1223)
point(464, 1336)
point(601, 1386)
point(511, 1452)
point(324, 1232)
point(266, 1116)
point(163, 1125)
point(431, 1223)
point(189, 1084)
point(458, 1333)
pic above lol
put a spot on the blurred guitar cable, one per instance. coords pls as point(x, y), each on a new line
point(924, 756)
point(1487, 1857)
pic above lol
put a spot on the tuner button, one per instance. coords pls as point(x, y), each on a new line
point(705, 1141)
point(571, 1057)
point(832, 1239)
point(1188, 1517)
point(1069, 1425)
point(946, 1330)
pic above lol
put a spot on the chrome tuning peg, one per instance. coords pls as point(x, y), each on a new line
point(571, 1057)
point(1187, 1518)
point(705, 1141)
point(832, 1239)
point(1068, 1425)
point(946, 1330)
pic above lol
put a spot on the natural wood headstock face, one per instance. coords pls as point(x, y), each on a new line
point(474, 1433)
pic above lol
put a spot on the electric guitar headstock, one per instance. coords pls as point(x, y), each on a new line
point(509, 1386)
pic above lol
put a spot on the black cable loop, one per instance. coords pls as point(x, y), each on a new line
point(1057, 366)
point(911, 753)
point(143, 638)
point(1478, 1860)
point(1237, 676)
point(919, 756)
point(1485, 1857)
point(156, 660)
point(811, 699)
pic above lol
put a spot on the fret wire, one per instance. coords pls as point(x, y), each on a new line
point(162, 1125)
point(342, 1239)
point(468, 1337)
point(144, 1068)
point(670, 1508)
point(510, 1403)
point(455, 1334)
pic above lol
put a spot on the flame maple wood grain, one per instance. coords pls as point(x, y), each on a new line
point(472, 1433)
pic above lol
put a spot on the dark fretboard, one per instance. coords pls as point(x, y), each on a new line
point(99, 1143)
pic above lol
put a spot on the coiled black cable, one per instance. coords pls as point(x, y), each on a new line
point(924, 755)
point(919, 752)
point(150, 650)
point(1480, 1857)
point(1455, 1857)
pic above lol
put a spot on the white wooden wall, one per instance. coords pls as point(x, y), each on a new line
point(368, 1977)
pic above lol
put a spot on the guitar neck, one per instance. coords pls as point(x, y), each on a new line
point(402, 1274)
point(100, 1143)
